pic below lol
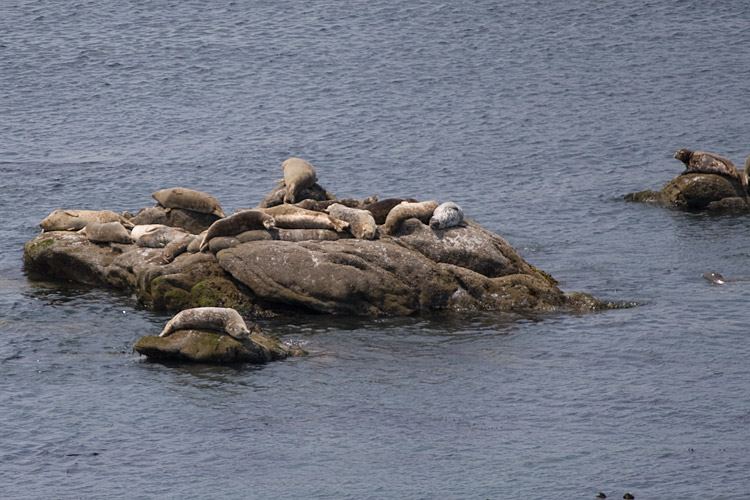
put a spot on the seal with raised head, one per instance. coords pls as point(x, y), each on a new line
point(189, 199)
point(380, 209)
point(298, 175)
point(447, 215)
point(107, 232)
point(75, 220)
point(294, 217)
point(709, 163)
point(361, 223)
point(406, 210)
point(221, 319)
point(237, 223)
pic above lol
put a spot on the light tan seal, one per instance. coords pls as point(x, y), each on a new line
point(237, 223)
point(406, 210)
point(221, 319)
point(189, 199)
point(380, 209)
point(160, 237)
point(298, 175)
point(293, 217)
point(107, 232)
point(361, 222)
point(75, 220)
point(709, 163)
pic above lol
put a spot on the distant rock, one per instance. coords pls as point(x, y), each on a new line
point(697, 191)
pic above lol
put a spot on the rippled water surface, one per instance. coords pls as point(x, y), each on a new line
point(536, 117)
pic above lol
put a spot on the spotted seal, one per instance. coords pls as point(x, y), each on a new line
point(159, 237)
point(106, 232)
point(75, 220)
point(189, 199)
point(361, 223)
point(298, 175)
point(237, 223)
point(221, 319)
point(709, 163)
point(294, 217)
point(406, 210)
point(447, 215)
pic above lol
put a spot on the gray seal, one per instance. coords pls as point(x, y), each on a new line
point(189, 199)
point(294, 217)
point(447, 215)
point(107, 232)
point(361, 223)
point(709, 163)
point(237, 223)
point(221, 319)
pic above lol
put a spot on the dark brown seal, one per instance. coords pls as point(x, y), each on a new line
point(709, 163)
point(380, 209)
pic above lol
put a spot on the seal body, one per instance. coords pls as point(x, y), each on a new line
point(160, 237)
point(298, 175)
point(177, 247)
point(361, 222)
point(75, 220)
point(709, 163)
point(322, 206)
point(293, 217)
point(446, 215)
point(189, 199)
point(380, 209)
point(221, 319)
point(141, 229)
point(237, 223)
point(406, 210)
point(107, 232)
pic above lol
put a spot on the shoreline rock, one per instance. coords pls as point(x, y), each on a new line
point(695, 192)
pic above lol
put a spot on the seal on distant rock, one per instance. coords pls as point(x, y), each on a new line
point(221, 319)
point(380, 209)
point(361, 223)
point(294, 217)
point(237, 223)
point(75, 220)
point(189, 199)
point(406, 210)
point(709, 163)
point(107, 232)
point(298, 175)
point(447, 215)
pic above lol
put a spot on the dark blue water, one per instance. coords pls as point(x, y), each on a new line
point(536, 117)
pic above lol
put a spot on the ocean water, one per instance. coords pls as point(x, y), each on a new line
point(536, 117)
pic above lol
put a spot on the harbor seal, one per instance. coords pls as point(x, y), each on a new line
point(294, 217)
point(237, 223)
point(177, 247)
point(298, 175)
point(106, 232)
point(75, 220)
point(189, 199)
point(141, 229)
point(380, 209)
point(221, 319)
point(709, 163)
point(160, 237)
point(361, 223)
point(406, 210)
point(447, 215)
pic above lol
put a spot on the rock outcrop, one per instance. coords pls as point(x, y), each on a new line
point(697, 191)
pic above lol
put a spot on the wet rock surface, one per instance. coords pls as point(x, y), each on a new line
point(697, 191)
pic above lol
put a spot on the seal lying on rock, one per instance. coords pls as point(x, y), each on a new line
point(380, 209)
point(709, 163)
point(405, 210)
point(446, 215)
point(160, 237)
point(294, 217)
point(237, 223)
point(221, 319)
point(361, 223)
point(75, 220)
point(189, 199)
point(177, 247)
point(107, 232)
point(298, 175)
